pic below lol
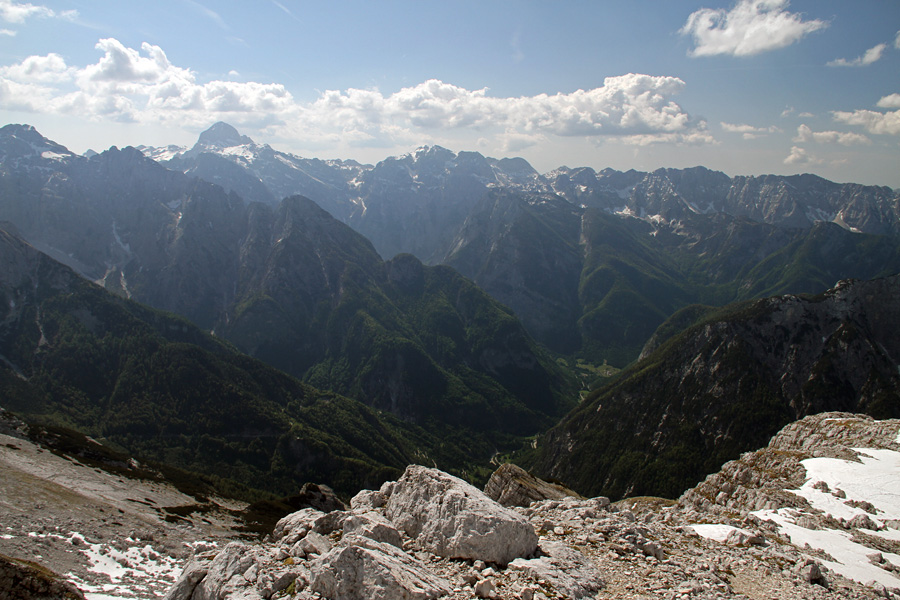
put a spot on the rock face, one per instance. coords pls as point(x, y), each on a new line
point(511, 485)
point(726, 385)
point(373, 570)
point(451, 518)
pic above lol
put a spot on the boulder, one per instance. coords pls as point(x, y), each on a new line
point(513, 486)
point(367, 500)
point(296, 525)
point(451, 518)
point(318, 496)
point(364, 568)
point(374, 526)
point(225, 577)
point(194, 571)
point(568, 571)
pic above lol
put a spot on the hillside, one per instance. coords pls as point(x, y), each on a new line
point(288, 284)
point(725, 385)
point(155, 385)
point(590, 261)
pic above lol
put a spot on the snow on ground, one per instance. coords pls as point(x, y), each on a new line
point(876, 479)
point(851, 559)
point(838, 487)
point(715, 531)
point(139, 571)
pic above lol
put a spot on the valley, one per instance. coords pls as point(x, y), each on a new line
point(253, 320)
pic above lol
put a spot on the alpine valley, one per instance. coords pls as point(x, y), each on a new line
point(268, 319)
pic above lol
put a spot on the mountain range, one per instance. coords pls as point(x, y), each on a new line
point(591, 262)
point(446, 298)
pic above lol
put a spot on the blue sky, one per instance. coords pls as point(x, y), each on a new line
point(746, 87)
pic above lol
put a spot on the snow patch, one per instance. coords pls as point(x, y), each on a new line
point(715, 531)
point(874, 479)
point(851, 559)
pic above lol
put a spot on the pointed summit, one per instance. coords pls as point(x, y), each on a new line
point(222, 135)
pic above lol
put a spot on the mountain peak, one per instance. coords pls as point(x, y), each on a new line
point(222, 135)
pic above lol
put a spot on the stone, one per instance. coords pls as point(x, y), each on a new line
point(451, 518)
point(311, 544)
point(375, 571)
point(225, 577)
point(511, 485)
point(367, 500)
point(194, 571)
point(296, 525)
point(374, 526)
point(486, 588)
point(319, 496)
point(570, 573)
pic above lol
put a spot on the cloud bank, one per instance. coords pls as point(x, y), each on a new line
point(143, 86)
point(750, 27)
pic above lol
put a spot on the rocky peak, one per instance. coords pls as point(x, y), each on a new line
point(24, 142)
point(221, 135)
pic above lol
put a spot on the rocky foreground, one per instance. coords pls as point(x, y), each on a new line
point(431, 535)
point(797, 519)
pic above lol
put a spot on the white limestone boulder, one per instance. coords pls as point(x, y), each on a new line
point(451, 518)
point(364, 568)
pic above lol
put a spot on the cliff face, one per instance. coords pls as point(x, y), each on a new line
point(726, 385)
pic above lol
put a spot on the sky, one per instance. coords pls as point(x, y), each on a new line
point(748, 87)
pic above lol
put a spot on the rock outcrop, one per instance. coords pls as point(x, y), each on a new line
point(511, 485)
point(450, 518)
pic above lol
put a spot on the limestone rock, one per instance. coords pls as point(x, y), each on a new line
point(296, 525)
point(373, 570)
point(511, 485)
point(449, 517)
point(367, 500)
point(570, 573)
point(194, 571)
point(372, 525)
point(225, 578)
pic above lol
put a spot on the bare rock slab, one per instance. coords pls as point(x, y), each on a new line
point(373, 570)
point(511, 485)
point(450, 518)
point(571, 573)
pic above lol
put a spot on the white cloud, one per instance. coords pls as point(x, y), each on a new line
point(750, 27)
point(127, 84)
point(800, 156)
point(748, 131)
point(15, 12)
point(7, 32)
point(805, 134)
point(891, 101)
point(877, 123)
point(897, 41)
point(870, 56)
point(39, 69)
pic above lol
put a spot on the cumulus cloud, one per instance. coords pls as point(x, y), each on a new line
point(39, 69)
point(143, 85)
point(800, 156)
point(17, 12)
point(805, 134)
point(891, 101)
point(897, 41)
point(874, 122)
point(870, 56)
point(748, 131)
point(750, 27)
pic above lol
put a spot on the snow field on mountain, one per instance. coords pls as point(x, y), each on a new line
point(875, 480)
